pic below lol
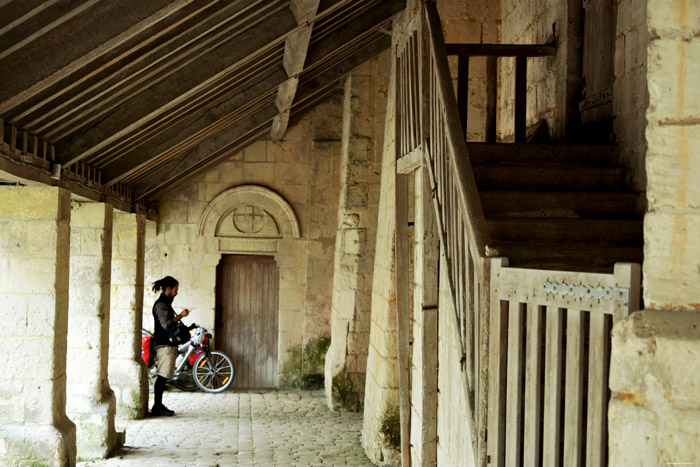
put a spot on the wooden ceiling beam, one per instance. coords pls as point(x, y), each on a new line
point(178, 171)
point(92, 31)
point(295, 48)
point(176, 90)
point(218, 146)
point(182, 137)
point(319, 50)
point(92, 92)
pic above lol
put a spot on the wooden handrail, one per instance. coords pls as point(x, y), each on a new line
point(469, 199)
point(501, 50)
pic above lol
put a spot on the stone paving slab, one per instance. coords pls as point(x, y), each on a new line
point(256, 428)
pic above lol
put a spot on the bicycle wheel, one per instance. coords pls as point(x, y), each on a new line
point(214, 374)
point(184, 381)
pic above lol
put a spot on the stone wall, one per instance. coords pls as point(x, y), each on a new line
point(472, 23)
point(654, 409)
point(630, 94)
point(672, 223)
point(532, 22)
point(34, 278)
point(381, 429)
point(364, 106)
point(303, 169)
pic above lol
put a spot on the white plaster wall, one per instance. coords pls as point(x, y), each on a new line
point(303, 169)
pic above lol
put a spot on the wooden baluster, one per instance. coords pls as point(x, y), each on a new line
point(552, 387)
point(491, 98)
point(514, 397)
point(520, 99)
point(463, 91)
point(573, 409)
point(598, 361)
point(498, 317)
point(533, 386)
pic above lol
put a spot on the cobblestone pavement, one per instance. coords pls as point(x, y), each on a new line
point(261, 428)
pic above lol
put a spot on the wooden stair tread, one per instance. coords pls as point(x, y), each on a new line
point(499, 153)
point(601, 204)
point(546, 178)
point(589, 258)
point(622, 232)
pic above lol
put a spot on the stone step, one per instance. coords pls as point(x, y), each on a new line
point(492, 177)
point(590, 258)
point(600, 205)
point(528, 154)
point(577, 232)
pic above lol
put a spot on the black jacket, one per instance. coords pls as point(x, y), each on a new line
point(163, 315)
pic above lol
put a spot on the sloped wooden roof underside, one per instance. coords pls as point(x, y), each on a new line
point(144, 95)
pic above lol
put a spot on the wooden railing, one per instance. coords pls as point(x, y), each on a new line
point(550, 345)
point(492, 52)
point(527, 337)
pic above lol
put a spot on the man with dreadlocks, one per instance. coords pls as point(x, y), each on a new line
point(164, 320)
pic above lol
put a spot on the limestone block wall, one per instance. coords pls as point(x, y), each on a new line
point(127, 372)
point(531, 22)
point(653, 413)
point(473, 23)
point(303, 169)
point(672, 224)
point(34, 267)
point(363, 118)
point(630, 94)
point(381, 428)
point(91, 403)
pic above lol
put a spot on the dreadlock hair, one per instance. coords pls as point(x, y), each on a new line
point(164, 283)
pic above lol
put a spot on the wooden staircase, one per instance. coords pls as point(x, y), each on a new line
point(562, 207)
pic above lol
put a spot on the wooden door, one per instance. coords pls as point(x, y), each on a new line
point(247, 318)
point(600, 19)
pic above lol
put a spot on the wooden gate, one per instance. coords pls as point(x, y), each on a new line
point(247, 318)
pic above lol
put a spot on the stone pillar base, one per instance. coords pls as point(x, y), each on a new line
point(132, 399)
point(94, 421)
point(38, 444)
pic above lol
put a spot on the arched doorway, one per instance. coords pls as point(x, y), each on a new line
point(247, 318)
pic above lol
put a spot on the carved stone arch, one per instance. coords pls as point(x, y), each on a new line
point(249, 211)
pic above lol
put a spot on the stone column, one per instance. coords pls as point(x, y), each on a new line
point(34, 255)
point(381, 431)
point(91, 403)
point(127, 372)
point(346, 360)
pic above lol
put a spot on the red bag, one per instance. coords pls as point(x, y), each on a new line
point(147, 352)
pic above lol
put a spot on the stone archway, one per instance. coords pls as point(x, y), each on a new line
point(256, 231)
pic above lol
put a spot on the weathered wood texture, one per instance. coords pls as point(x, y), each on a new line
point(577, 310)
point(247, 318)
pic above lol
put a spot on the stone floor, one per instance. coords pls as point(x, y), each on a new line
point(261, 428)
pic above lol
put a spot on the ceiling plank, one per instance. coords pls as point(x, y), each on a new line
point(180, 87)
point(221, 144)
point(180, 138)
point(84, 97)
point(92, 33)
point(350, 31)
point(176, 172)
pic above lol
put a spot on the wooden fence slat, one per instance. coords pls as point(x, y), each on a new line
point(497, 367)
point(520, 99)
point(514, 393)
point(597, 391)
point(573, 408)
point(552, 387)
point(533, 386)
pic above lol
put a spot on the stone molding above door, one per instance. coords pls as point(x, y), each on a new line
point(249, 219)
